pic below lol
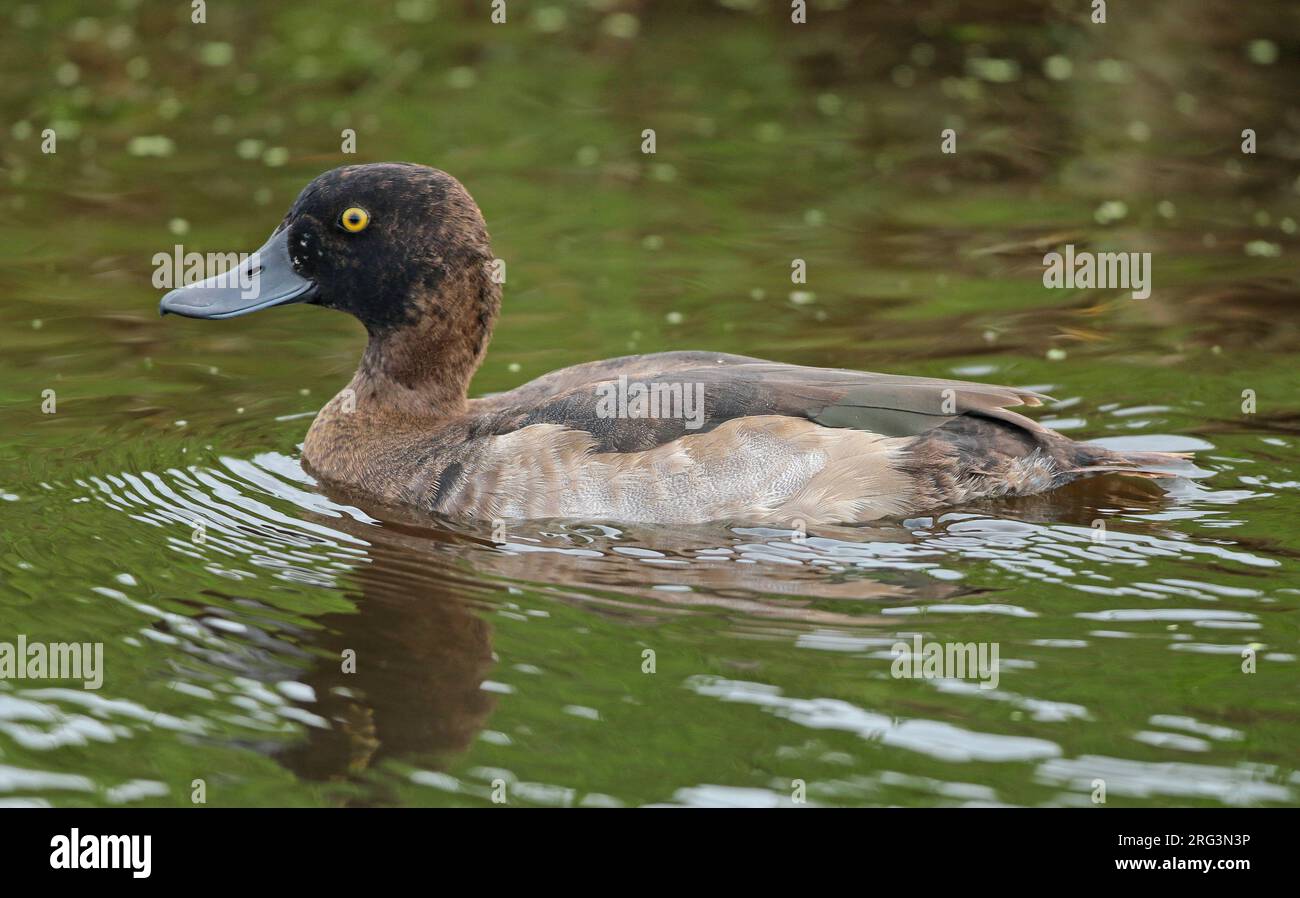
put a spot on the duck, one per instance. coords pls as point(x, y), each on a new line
point(404, 249)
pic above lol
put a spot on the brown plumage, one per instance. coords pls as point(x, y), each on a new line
point(769, 442)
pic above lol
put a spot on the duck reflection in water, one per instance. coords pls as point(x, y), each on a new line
point(423, 647)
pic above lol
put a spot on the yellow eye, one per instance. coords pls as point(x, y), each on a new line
point(354, 219)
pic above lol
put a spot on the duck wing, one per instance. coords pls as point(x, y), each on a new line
point(699, 391)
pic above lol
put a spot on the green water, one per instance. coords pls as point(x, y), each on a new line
point(160, 508)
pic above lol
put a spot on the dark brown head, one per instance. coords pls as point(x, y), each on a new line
point(379, 241)
point(401, 247)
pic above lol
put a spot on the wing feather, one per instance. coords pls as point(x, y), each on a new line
point(738, 386)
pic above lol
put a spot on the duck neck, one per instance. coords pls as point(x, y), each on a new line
point(422, 369)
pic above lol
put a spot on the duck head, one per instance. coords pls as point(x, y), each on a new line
point(401, 247)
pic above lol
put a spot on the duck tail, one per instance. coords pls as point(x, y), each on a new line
point(1085, 460)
